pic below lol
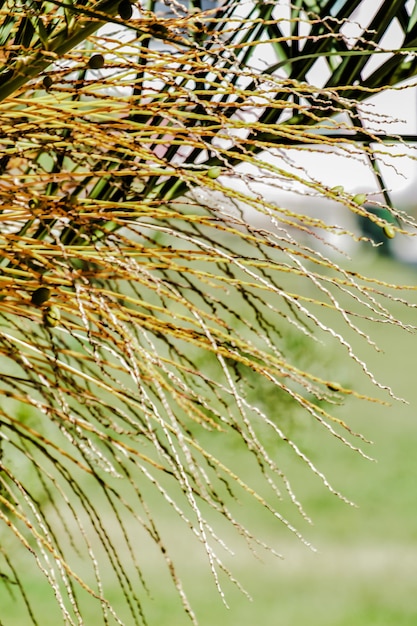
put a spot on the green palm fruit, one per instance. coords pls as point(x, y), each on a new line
point(334, 386)
point(338, 189)
point(214, 172)
point(96, 61)
point(51, 316)
point(33, 203)
point(125, 10)
point(47, 82)
point(389, 231)
point(40, 296)
point(360, 198)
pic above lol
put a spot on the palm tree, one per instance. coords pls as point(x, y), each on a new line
point(138, 321)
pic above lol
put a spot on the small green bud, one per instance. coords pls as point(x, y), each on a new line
point(334, 386)
point(214, 172)
point(124, 9)
point(96, 62)
point(389, 231)
point(337, 189)
point(40, 296)
point(51, 316)
point(360, 198)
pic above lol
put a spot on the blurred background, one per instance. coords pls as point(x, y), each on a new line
point(364, 569)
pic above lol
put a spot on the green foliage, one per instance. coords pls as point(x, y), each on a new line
point(158, 312)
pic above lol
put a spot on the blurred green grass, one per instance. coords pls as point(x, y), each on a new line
point(365, 569)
